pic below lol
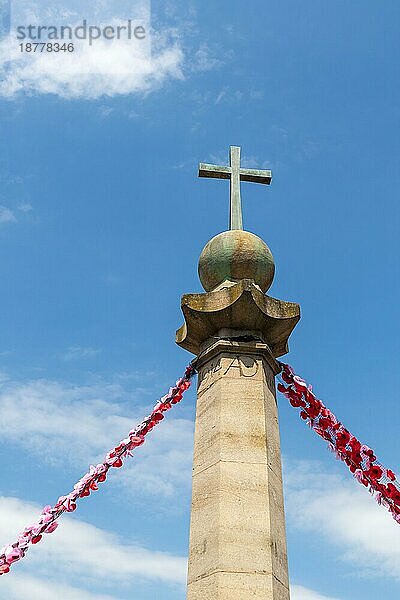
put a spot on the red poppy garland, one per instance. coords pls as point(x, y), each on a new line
point(89, 482)
point(360, 459)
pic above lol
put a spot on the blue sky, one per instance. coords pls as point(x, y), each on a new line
point(102, 220)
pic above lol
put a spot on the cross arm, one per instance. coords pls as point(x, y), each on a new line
point(256, 175)
point(214, 171)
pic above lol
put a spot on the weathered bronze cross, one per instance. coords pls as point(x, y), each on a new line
point(236, 175)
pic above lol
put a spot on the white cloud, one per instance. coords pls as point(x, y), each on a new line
point(104, 69)
point(79, 352)
point(87, 554)
point(343, 512)
point(6, 215)
point(298, 592)
point(49, 74)
point(67, 424)
point(21, 587)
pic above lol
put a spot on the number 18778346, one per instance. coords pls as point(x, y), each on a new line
point(46, 47)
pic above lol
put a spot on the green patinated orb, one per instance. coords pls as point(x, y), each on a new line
point(235, 255)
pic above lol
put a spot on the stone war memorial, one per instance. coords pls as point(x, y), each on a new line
point(237, 528)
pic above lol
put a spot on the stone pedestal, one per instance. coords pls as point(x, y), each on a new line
point(237, 528)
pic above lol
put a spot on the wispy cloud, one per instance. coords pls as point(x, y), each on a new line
point(6, 215)
point(346, 515)
point(16, 586)
point(80, 352)
point(221, 95)
point(105, 111)
point(67, 424)
point(230, 95)
point(25, 207)
point(204, 59)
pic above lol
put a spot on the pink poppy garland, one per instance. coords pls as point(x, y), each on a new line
point(360, 459)
point(89, 482)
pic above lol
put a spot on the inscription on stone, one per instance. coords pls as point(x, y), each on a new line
point(240, 365)
point(247, 365)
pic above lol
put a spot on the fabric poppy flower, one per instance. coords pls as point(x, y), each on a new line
point(137, 440)
point(70, 505)
point(327, 436)
point(367, 452)
point(296, 402)
point(393, 492)
point(314, 409)
point(390, 475)
point(36, 539)
point(13, 554)
point(375, 472)
point(326, 413)
point(157, 416)
point(287, 392)
point(355, 445)
point(189, 371)
point(342, 438)
point(287, 378)
point(325, 422)
point(50, 528)
point(177, 397)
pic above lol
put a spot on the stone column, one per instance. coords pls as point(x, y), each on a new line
point(237, 530)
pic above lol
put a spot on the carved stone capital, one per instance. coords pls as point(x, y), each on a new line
point(240, 307)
